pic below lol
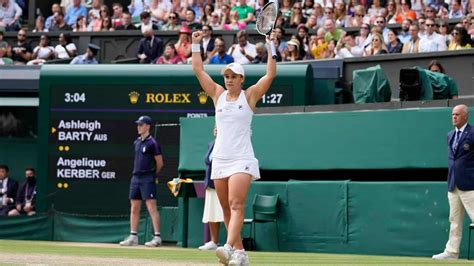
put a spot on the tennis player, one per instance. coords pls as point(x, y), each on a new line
point(234, 164)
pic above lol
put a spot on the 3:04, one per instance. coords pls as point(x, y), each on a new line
point(74, 97)
point(274, 98)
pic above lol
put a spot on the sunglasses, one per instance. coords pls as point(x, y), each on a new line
point(430, 25)
point(360, 15)
point(379, 22)
point(443, 26)
point(430, 11)
point(364, 28)
point(171, 17)
point(21, 35)
point(375, 40)
point(454, 33)
point(328, 12)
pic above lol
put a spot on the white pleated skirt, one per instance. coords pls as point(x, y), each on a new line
point(212, 208)
point(224, 168)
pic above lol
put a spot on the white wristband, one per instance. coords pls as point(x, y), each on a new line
point(196, 48)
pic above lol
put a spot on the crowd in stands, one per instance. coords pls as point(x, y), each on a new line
point(17, 199)
point(321, 28)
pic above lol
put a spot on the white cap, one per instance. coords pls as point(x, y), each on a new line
point(235, 67)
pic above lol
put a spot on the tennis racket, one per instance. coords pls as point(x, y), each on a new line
point(266, 22)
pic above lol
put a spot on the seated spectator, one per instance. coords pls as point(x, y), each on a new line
point(106, 25)
point(10, 14)
point(342, 19)
point(205, 19)
point(126, 22)
point(279, 34)
point(308, 8)
point(331, 50)
point(20, 51)
point(365, 38)
point(376, 9)
point(431, 41)
point(394, 46)
point(136, 7)
point(378, 45)
point(81, 25)
point(150, 47)
point(245, 12)
point(55, 8)
point(96, 24)
point(319, 14)
point(43, 52)
point(234, 24)
point(207, 39)
point(318, 44)
point(215, 21)
point(411, 47)
point(172, 23)
point(219, 55)
point(293, 51)
point(75, 11)
point(404, 34)
point(26, 196)
point(66, 48)
point(191, 21)
point(455, 10)
point(94, 12)
point(39, 25)
point(146, 24)
point(225, 14)
point(430, 12)
point(170, 56)
point(89, 58)
point(405, 12)
point(59, 23)
point(285, 9)
point(444, 30)
point(303, 37)
point(332, 33)
point(261, 57)
point(296, 17)
point(460, 40)
point(183, 46)
point(8, 191)
point(4, 47)
point(67, 4)
point(243, 52)
point(116, 19)
point(3, 44)
point(359, 17)
point(392, 12)
point(346, 47)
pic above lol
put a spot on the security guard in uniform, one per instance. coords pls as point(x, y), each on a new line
point(148, 163)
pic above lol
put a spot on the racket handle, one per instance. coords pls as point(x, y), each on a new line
point(272, 47)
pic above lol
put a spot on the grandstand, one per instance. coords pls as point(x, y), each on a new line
point(357, 167)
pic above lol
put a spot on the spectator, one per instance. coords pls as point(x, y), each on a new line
point(436, 66)
point(150, 48)
point(404, 34)
point(296, 17)
point(207, 39)
point(21, 51)
point(329, 13)
point(219, 56)
point(431, 41)
point(405, 12)
point(342, 19)
point(66, 48)
point(172, 24)
point(39, 25)
point(43, 52)
point(303, 37)
point(117, 15)
point(191, 21)
point(170, 56)
point(89, 58)
point(421, 27)
point(319, 14)
point(26, 196)
point(59, 23)
point(359, 17)
point(183, 46)
point(74, 11)
point(261, 57)
point(293, 51)
point(10, 14)
point(234, 24)
point(159, 10)
point(67, 4)
point(246, 12)
point(94, 12)
point(378, 45)
point(126, 22)
point(243, 52)
point(8, 191)
point(55, 8)
point(346, 47)
point(331, 32)
point(466, 22)
point(318, 44)
point(330, 52)
point(81, 25)
point(444, 30)
point(381, 23)
point(225, 14)
point(308, 7)
point(106, 25)
point(394, 46)
point(4, 48)
point(279, 34)
point(365, 38)
point(460, 40)
point(392, 12)
point(376, 9)
point(136, 7)
point(215, 21)
point(412, 46)
point(206, 16)
point(455, 10)
point(430, 12)
point(285, 9)
point(96, 24)
point(312, 22)
point(147, 24)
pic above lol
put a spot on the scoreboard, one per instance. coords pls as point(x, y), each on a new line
point(87, 130)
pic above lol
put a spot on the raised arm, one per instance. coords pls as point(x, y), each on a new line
point(208, 85)
point(255, 92)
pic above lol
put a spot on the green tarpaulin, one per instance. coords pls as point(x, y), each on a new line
point(371, 85)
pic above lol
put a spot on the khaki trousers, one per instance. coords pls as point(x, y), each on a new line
point(458, 202)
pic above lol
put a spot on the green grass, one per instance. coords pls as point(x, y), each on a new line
point(190, 256)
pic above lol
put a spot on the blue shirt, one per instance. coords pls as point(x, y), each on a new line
point(226, 59)
point(73, 13)
point(145, 152)
point(83, 60)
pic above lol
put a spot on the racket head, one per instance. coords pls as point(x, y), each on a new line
point(266, 20)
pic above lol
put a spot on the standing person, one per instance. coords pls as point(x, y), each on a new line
point(8, 190)
point(460, 179)
point(212, 208)
point(234, 165)
point(26, 196)
point(148, 163)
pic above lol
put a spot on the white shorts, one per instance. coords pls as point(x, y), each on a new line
point(212, 208)
point(224, 168)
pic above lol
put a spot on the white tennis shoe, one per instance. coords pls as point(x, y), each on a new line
point(155, 242)
point(208, 246)
point(224, 253)
point(131, 240)
point(239, 258)
point(445, 256)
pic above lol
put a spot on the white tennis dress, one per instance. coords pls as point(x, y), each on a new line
point(233, 151)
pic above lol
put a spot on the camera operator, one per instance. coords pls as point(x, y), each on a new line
point(8, 189)
point(26, 198)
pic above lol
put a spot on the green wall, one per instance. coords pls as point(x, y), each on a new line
point(19, 153)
